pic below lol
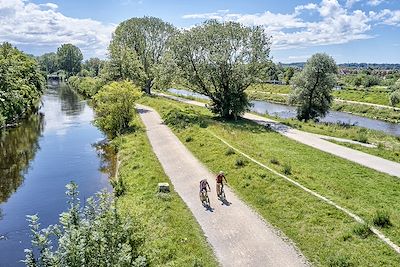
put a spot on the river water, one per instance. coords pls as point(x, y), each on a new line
point(38, 158)
point(286, 111)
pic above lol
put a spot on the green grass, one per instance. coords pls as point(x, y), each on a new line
point(370, 96)
point(172, 236)
point(270, 88)
point(389, 151)
point(324, 234)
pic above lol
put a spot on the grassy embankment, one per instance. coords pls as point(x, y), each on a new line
point(274, 93)
point(387, 146)
point(172, 236)
point(324, 234)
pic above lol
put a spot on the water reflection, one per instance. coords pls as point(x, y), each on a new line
point(18, 147)
point(33, 180)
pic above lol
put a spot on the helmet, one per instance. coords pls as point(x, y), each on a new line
point(221, 172)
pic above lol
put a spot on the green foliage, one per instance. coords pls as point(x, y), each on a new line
point(240, 162)
point(92, 235)
point(183, 118)
point(118, 186)
point(287, 169)
point(340, 261)
point(381, 219)
point(48, 62)
point(229, 152)
point(362, 230)
point(21, 84)
point(115, 107)
point(289, 72)
point(137, 50)
point(69, 59)
point(189, 139)
point(93, 66)
point(313, 87)
point(274, 161)
point(394, 98)
point(87, 86)
point(220, 60)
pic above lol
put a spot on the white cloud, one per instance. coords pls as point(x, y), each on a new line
point(23, 22)
point(331, 23)
point(375, 2)
point(350, 3)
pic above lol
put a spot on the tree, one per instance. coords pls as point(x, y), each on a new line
point(394, 98)
point(137, 49)
point(69, 58)
point(289, 72)
point(220, 60)
point(93, 235)
point(21, 84)
point(313, 87)
point(93, 66)
point(115, 107)
point(48, 62)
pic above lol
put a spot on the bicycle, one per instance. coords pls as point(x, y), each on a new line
point(221, 194)
point(205, 200)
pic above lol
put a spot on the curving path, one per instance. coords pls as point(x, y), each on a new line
point(315, 140)
point(238, 235)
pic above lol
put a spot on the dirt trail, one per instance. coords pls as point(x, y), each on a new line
point(237, 234)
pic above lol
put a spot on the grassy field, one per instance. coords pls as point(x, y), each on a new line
point(324, 234)
point(172, 236)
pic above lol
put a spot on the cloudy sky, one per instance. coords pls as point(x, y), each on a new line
point(349, 30)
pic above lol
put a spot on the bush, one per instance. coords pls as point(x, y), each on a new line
point(381, 219)
point(118, 186)
point(87, 86)
point(229, 152)
point(340, 261)
point(394, 98)
point(189, 139)
point(94, 234)
point(287, 169)
point(115, 107)
point(240, 162)
point(362, 230)
point(274, 161)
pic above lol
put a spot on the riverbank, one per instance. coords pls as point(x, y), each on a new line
point(279, 94)
point(386, 146)
point(324, 234)
point(172, 237)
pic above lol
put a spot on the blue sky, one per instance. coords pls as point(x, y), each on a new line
point(349, 30)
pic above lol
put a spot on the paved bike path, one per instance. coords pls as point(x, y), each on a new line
point(315, 140)
point(237, 234)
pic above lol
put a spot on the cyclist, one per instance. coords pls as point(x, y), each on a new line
point(203, 189)
point(220, 177)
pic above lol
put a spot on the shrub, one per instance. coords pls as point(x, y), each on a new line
point(274, 161)
point(362, 230)
point(287, 169)
point(118, 186)
point(115, 107)
point(394, 98)
point(94, 234)
point(381, 219)
point(189, 139)
point(229, 152)
point(240, 162)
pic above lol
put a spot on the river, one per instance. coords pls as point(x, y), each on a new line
point(38, 158)
point(286, 111)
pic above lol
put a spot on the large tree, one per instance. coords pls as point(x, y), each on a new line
point(69, 58)
point(48, 62)
point(137, 49)
point(93, 66)
point(313, 87)
point(220, 60)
